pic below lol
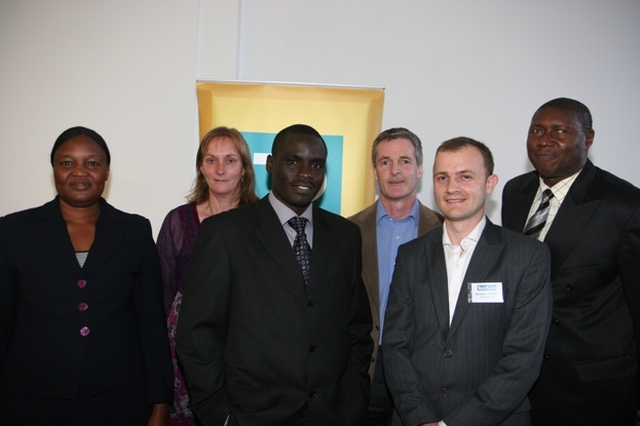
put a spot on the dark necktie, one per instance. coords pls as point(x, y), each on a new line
point(301, 246)
point(539, 219)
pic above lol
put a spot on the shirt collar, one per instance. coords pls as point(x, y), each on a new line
point(381, 212)
point(285, 213)
point(560, 189)
point(474, 235)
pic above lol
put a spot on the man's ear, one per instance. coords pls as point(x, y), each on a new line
point(492, 181)
point(269, 163)
point(591, 134)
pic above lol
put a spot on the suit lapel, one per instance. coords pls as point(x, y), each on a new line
point(437, 278)
point(109, 236)
point(520, 205)
point(370, 253)
point(367, 220)
point(324, 243)
point(484, 258)
point(571, 218)
point(275, 241)
point(426, 221)
point(51, 230)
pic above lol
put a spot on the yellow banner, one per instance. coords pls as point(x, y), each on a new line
point(348, 119)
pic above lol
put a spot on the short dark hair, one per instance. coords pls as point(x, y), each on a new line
point(397, 133)
point(578, 108)
point(294, 129)
point(76, 131)
point(456, 144)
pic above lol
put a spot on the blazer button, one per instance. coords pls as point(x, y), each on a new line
point(569, 287)
point(311, 303)
point(448, 353)
point(446, 391)
point(312, 394)
point(82, 283)
point(555, 323)
point(83, 307)
point(84, 331)
point(545, 358)
point(312, 348)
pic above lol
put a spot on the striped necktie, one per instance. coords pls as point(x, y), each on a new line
point(301, 246)
point(539, 219)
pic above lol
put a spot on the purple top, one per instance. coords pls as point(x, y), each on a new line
point(175, 243)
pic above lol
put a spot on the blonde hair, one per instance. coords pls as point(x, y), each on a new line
point(200, 192)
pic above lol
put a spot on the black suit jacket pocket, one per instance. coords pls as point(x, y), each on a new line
point(250, 398)
point(603, 369)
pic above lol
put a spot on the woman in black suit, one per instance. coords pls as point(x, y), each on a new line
point(82, 333)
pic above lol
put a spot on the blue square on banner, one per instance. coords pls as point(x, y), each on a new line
point(260, 147)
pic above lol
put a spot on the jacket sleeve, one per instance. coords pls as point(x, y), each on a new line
point(202, 328)
point(403, 379)
point(151, 322)
point(629, 267)
point(7, 293)
point(356, 384)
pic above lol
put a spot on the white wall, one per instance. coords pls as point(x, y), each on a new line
point(125, 69)
point(450, 68)
point(464, 67)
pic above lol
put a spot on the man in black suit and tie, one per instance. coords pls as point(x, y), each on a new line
point(264, 341)
point(466, 321)
point(589, 374)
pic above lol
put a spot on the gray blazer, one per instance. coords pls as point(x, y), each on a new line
point(478, 370)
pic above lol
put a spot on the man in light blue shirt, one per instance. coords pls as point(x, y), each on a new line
point(395, 218)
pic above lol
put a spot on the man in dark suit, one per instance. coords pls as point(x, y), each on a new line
point(397, 217)
point(465, 324)
point(262, 340)
point(589, 374)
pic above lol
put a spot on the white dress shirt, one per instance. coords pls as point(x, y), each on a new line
point(457, 258)
point(560, 191)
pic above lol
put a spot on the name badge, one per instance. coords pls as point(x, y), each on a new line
point(485, 293)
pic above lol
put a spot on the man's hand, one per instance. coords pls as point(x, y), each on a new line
point(159, 415)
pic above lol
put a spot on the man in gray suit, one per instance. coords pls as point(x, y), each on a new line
point(468, 308)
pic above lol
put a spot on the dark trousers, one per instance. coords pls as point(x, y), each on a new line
point(380, 404)
point(302, 419)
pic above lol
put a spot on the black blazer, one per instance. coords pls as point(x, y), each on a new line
point(256, 342)
point(47, 338)
point(595, 270)
point(479, 370)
